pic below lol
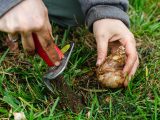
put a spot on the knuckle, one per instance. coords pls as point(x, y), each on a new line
point(46, 10)
point(130, 37)
point(22, 27)
point(39, 24)
point(101, 55)
point(48, 38)
point(100, 51)
point(25, 29)
point(101, 35)
point(11, 28)
point(133, 57)
point(47, 44)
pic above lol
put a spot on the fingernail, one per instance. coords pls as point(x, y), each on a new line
point(125, 74)
point(57, 63)
point(98, 62)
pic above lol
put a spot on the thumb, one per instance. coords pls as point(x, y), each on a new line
point(102, 47)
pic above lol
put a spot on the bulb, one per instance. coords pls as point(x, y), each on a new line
point(110, 74)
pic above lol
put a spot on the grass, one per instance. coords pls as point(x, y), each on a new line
point(22, 89)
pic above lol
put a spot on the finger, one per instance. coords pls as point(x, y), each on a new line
point(28, 43)
point(131, 55)
point(9, 25)
point(130, 61)
point(12, 42)
point(132, 73)
point(49, 48)
point(13, 37)
point(127, 80)
point(47, 42)
point(102, 47)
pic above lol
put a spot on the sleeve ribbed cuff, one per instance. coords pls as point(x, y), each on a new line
point(6, 5)
point(105, 11)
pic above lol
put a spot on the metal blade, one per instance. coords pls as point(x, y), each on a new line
point(55, 71)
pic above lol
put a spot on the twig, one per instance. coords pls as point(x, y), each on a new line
point(92, 90)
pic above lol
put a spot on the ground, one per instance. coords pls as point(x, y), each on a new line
point(22, 88)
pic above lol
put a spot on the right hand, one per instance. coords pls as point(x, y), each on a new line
point(111, 30)
point(30, 16)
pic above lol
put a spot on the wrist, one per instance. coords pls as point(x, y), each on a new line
point(109, 21)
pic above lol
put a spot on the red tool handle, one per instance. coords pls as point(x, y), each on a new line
point(42, 53)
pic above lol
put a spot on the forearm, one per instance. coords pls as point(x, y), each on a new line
point(99, 9)
point(6, 5)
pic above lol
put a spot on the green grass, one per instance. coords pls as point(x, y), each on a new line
point(22, 88)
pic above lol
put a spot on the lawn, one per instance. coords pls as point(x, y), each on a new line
point(22, 88)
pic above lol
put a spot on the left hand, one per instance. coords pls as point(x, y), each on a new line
point(110, 30)
point(30, 16)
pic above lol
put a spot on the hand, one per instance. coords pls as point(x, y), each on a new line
point(24, 19)
point(110, 30)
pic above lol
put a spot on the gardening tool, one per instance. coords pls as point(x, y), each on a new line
point(54, 81)
point(54, 71)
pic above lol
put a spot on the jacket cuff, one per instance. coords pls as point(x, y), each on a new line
point(105, 11)
point(6, 5)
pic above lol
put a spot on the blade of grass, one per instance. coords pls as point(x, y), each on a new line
point(65, 36)
point(155, 104)
point(28, 104)
point(53, 108)
point(3, 56)
point(11, 101)
point(110, 108)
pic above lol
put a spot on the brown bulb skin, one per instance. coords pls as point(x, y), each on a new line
point(109, 73)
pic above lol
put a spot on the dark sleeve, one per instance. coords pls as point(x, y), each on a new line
point(99, 9)
point(6, 5)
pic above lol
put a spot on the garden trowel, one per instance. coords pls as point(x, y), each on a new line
point(54, 80)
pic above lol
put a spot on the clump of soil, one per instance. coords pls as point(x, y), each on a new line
point(69, 99)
